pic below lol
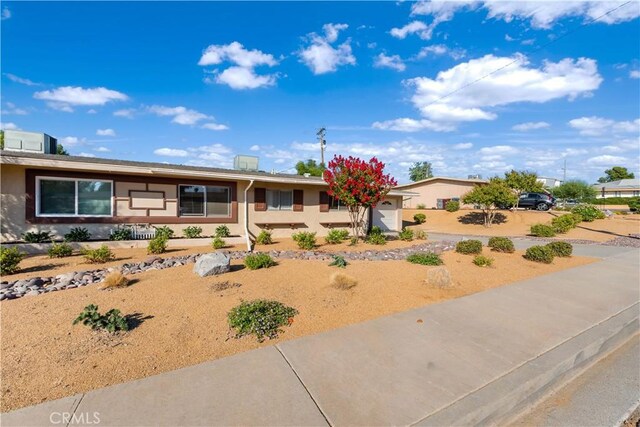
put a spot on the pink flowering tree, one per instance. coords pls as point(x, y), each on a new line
point(359, 185)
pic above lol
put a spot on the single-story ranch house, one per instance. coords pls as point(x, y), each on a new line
point(621, 188)
point(435, 192)
point(48, 192)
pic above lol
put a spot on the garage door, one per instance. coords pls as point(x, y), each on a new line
point(385, 215)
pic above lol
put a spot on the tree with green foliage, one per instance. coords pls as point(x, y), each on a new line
point(419, 171)
point(310, 167)
point(489, 197)
point(522, 182)
point(616, 173)
point(1, 140)
point(60, 150)
point(574, 189)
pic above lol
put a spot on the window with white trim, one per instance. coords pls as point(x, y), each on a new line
point(336, 205)
point(201, 200)
point(73, 197)
point(279, 200)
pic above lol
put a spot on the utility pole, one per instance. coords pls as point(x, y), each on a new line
point(321, 134)
point(564, 170)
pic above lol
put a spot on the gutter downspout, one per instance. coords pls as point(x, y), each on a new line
point(246, 216)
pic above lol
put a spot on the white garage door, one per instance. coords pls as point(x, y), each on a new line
point(385, 215)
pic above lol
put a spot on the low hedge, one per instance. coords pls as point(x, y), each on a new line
point(501, 244)
point(542, 230)
point(469, 247)
point(543, 254)
point(561, 249)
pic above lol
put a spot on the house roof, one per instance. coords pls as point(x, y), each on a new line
point(54, 161)
point(443, 178)
point(620, 184)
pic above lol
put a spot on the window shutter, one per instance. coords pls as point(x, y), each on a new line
point(260, 199)
point(298, 200)
point(324, 201)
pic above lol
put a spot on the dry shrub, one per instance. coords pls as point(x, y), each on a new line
point(114, 280)
point(223, 286)
point(342, 281)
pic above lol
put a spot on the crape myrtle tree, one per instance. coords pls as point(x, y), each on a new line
point(522, 182)
point(359, 185)
point(490, 197)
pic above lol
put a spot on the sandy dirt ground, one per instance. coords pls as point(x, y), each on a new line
point(179, 319)
point(519, 223)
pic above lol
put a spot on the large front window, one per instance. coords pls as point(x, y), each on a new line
point(279, 200)
point(201, 200)
point(73, 197)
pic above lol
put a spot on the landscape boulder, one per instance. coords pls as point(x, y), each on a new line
point(439, 277)
point(212, 264)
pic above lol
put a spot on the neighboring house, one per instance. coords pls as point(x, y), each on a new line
point(56, 193)
point(620, 188)
point(549, 182)
point(435, 192)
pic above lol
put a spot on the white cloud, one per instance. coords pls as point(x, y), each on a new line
point(86, 155)
point(21, 80)
point(127, 112)
point(508, 38)
point(498, 150)
point(412, 125)
point(607, 160)
point(80, 96)
point(12, 109)
point(215, 126)
point(415, 27)
point(102, 150)
point(255, 148)
point(106, 132)
point(597, 126)
point(70, 141)
point(525, 127)
point(463, 146)
point(8, 126)
point(60, 106)
point(321, 57)
point(393, 62)
point(91, 111)
point(634, 74)
point(440, 49)
point(170, 152)
point(181, 115)
point(240, 78)
point(6, 13)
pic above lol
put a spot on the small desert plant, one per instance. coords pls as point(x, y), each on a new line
point(264, 238)
point(222, 231)
point(112, 320)
point(452, 206)
point(419, 218)
point(425, 258)
point(561, 249)
point(157, 245)
point(342, 281)
point(114, 280)
point(563, 223)
point(164, 231)
point(421, 206)
point(469, 247)
point(421, 235)
point(406, 234)
point(589, 213)
point(259, 260)
point(121, 233)
point(542, 230)
point(10, 259)
point(97, 256)
point(375, 230)
point(305, 239)
point(336, 236)
point(376, 239)
point(542, 254)
point(192, 232)
point(338, 261)
point(482, 261)
point(60, 250)
point(218, 243)
point(37, 236)
point(77, 234)
point(264, 318)
point(577, 218)
point(501, 244)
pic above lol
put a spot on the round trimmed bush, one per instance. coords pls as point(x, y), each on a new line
point(564, 223)
point(420, 218)
point(60, 250)
point(452, 206)
point(588, 213)
point(561, 249)
point(259, 260)
point(501, 244)
point(9, 259)
point(264, 238)
point(538, 253)
point(336, 235)
point(542, 230)
point(468, 247)
point(483, 261)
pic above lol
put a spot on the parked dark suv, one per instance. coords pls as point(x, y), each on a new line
point(538, 201)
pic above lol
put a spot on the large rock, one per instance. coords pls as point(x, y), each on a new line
point(439, 277)
point(212, 264)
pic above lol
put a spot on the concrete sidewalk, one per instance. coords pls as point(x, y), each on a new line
point(475, 360)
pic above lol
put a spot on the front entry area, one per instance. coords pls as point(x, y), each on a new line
point(385, 215)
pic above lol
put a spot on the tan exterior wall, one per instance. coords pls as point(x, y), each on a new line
point(618, 193)
point(430, 192)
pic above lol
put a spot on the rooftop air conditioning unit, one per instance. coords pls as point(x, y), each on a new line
point(30, 142)
point(245, 163)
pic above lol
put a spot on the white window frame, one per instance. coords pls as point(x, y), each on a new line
point(76, 180)
point(279, 208)
point(204, 215)
point(340, 207)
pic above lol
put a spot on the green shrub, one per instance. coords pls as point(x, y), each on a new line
point(452, 206)
point(421, 235)
point(112, 320)
point(336, 236)
point(469, 247)
point(264, 238)
point(77, 234)
point(259, 260)
point(305, 240)
point(157, 245)
point(338, 261)
point(37, 236)
point(589, 213)
point(121, 233)
point(501, 244)
point(425, 258)
point(222, 231)
point(420, 218)
point(577, 218)
point(538, 253)
point(164, 231)
point(421, 206)
point(376, 239)
point(562, 224)
point(99, 255)
point(542, 230)
point(406, 234)
point(60, 250)
point(192, 232)
point(218, 243)
point(482, 261)
point(263, 318)
point(375, 230)
point(10, 259)
point(561, 249)
point(634, 205)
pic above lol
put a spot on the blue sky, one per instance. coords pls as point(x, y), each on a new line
point(473, 87)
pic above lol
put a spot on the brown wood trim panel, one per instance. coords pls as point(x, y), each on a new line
point(260, 199)
point(298, 200)
point(324, 201)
